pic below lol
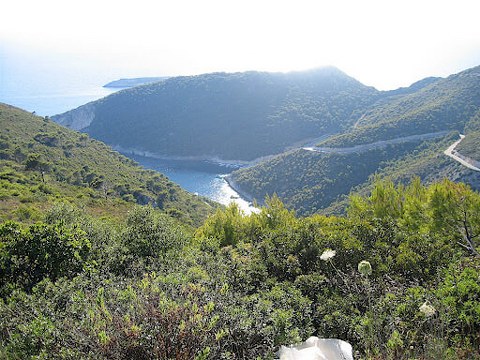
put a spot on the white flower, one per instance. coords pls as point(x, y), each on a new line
point(364, 268)
point(427, 309)
point(328, 254)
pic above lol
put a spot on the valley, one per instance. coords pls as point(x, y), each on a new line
point(198, 180)
point(104, 252)
point(262, 122)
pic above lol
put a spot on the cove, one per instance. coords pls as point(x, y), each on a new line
point(201, 177)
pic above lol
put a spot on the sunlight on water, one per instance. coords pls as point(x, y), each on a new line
point(51, 95)
point(199, 177)
point(226, 195)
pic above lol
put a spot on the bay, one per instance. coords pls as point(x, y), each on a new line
point(63, 91)
point(203, 178)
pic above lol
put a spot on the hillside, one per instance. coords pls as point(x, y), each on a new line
point(381, 142)
point(240, 116)
point(41, 161)
point(310, 182)
point(444, 104)
point(86, 273)
point(470, 146)
point(244, 116)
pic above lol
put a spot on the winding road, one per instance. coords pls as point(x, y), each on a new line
point(450, 151)
point(375, 145)
point(454, 156)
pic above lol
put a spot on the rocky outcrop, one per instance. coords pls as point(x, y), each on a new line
point(77, 119)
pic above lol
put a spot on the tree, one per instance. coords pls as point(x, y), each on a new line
point(455, 212)
point(150, 234)
point(40, 251)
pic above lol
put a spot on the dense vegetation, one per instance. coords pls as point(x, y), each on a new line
point(444, 104)
point(312, 182)
point(87, 272)
point(397, 278)
point(100, 259)
point(238, 116)
point(41, 162)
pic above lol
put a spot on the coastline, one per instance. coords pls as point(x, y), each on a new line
point(211, 159)
point(226, 190)
point(234, 186)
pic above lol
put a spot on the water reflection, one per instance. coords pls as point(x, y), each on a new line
point(199, 177)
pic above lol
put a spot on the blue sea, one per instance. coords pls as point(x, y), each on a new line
point(49, 93)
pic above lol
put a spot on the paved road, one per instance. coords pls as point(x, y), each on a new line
point(380, 144)
point(375, 145)
point(451, 149)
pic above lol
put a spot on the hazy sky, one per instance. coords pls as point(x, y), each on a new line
point(382, 43)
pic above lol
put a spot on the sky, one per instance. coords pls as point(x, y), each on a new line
point(386, 44)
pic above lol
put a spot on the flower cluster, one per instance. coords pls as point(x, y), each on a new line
point(328, 254)
point(364, 268)
point(427, 309)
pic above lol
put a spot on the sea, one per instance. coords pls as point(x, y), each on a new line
point(50, 94)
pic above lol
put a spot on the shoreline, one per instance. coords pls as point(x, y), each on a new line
point(211, 159)
point(230, 188)
point(234, 186)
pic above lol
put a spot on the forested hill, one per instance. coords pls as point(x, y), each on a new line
point(238, 116)
point(405, 134)
point(443, 104)
point(42, 162)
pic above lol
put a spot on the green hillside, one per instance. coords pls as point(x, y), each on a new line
point(41, 162)
point(445, 104)
point(87, 273)
point(238, 116)
point(313, 181)
point(309, 182)
point(470, 146)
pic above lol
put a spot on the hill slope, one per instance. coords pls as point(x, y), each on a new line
point(238, 116)
point(444, 104)
point(41, 160)
point(309, 181)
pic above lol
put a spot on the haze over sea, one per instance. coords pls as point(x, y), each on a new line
point(49, 93)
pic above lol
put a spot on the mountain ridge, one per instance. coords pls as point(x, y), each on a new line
point(444, 105)
point(214, 114)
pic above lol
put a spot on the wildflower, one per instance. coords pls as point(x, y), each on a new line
point(427, 309)
point(364, 268)
point(328, 254)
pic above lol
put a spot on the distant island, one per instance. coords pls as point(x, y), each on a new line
point(128, 83)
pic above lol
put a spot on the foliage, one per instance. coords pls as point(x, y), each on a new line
point(41, 251)
point(43, 161)
point(86, 274)
point(392, 277)
point(216, 115)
